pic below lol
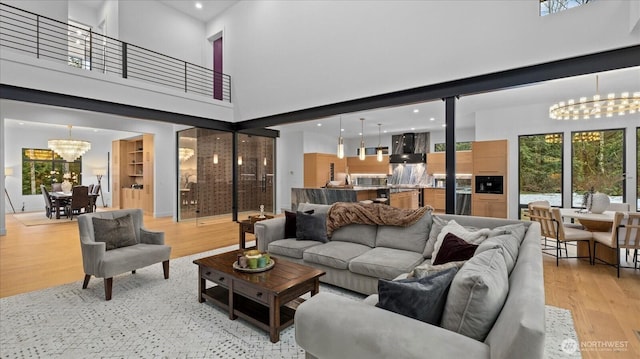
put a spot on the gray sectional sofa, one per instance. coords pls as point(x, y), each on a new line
point(357, 256)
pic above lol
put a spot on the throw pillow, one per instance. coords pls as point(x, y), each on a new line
point(477, 295)
point(510, 243)
point(474, 237)
point(426, 269)
point(422, 299)
point(311, 226)
point(290, 223)
point(454, 248)
point(116, 233)
point(436, 228)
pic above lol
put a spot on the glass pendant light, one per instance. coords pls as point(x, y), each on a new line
point(340, 141)
point(379, 151)
point(361, 155)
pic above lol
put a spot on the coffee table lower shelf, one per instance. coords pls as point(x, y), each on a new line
point(249, 310)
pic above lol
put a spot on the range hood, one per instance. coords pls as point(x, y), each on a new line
point(408, 158)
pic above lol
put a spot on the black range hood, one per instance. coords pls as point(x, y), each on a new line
point(408, 158)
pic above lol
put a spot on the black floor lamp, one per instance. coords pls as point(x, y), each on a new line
point(8, 171)
point(99, 173)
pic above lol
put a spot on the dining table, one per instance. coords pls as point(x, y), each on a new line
point(593, 222)
point(59, 199)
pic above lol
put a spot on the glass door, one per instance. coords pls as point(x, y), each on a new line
point(256, 184)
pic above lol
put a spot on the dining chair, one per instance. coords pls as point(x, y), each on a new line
point(50, 206)
point(79, 202)
point(619, 207)
point(90, 188)
point(93, 197)
point(624, 234)
point(552, 226)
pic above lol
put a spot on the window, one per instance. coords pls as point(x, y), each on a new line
point(597, 162)
point(460, 146)
point(553, 6)
point(540, 168)
point(44, 167)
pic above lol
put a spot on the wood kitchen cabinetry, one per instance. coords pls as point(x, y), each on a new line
point(489, 159)
point(132, 173)
point(404, 199)
point(435, 197)
point(369, 165)
point(318, 168)
point(436, 162)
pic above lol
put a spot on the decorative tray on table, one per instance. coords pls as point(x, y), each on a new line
point(269, 265)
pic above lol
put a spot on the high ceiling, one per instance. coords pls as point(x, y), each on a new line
point(210, 9)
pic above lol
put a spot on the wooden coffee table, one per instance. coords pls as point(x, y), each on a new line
point(266, 299)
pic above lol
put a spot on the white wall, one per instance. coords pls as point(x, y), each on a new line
point(155, 26)
point(55, 9)
point(84, 14)
point(289, 55)
point(289, 167)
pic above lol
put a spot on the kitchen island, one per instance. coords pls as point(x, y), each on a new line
point(404, 197)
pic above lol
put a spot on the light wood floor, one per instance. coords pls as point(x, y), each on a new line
point(605, 309)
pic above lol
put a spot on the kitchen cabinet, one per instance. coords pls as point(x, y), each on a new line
point(435, 197)
point(319, 168)
point(436, 162)
point(369, 165)
point(489, 159)
point(405, 199)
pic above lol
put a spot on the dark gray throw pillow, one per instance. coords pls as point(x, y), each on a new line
point(116, 233)
point(422, 299)
point(311, 226)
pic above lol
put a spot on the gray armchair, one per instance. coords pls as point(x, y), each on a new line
point(148, 249)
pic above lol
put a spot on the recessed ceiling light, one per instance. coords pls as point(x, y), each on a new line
point(342, 130)
point(444, 125)
point(432, 119)
point(319, 125)
point(94, 130)
point(413, 128)
point(385, 131)
point(359, 133)
point(416, 110)
point(198, 5)
point(21, 123)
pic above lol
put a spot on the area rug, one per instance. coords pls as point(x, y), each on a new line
point(150, 317)
point(40, 218)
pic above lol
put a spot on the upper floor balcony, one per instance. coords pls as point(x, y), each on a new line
point(26, 34)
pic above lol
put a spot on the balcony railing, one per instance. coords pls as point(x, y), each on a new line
point(46, 38)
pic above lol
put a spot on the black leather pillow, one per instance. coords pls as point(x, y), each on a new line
point(453, 249)
point(116, 233)
point(422, 299)
point(311, 226)
point(290, 223)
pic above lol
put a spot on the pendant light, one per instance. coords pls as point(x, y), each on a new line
point(379, 151)
point(361, 155)
point(340, 141)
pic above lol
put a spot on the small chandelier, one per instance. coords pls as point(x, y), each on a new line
point(69, 149)
point(340, 152)
point(185, 153)
point(596, 107)
point(379, 151)
point(361, 155)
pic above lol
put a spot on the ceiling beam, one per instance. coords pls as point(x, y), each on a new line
point(575, 66)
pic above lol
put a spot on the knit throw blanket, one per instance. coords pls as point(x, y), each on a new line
point(343, 213)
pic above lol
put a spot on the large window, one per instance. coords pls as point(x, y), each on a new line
point(45, 167)
point(553, 6)
point(597, 162)
point(540, 172)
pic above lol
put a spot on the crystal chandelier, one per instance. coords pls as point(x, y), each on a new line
point(596, 107)
point(362, 155)
point(69, 149)
point(185, 153)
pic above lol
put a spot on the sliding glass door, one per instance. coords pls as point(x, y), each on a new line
point(256, 185)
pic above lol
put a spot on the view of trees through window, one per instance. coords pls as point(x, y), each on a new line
point(553, 6)
point(597, 161)
point(45, 167)
point(540, 159)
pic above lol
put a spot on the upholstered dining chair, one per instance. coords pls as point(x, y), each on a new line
point(79, 201)
point(624, 234)
point(619, 207)
point(553, 227)
point(93, 198)
point(115, 242)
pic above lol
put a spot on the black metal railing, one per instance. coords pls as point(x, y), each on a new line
point(43, 37)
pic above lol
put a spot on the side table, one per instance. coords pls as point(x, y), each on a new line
point(246, 226)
